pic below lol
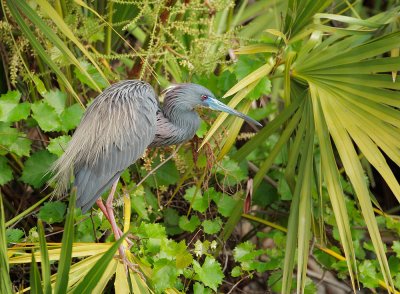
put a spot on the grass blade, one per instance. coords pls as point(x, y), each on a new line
point(39, 48)
point(34, 277)
point(5, 282)
point(66, 248)
point(44, 257)
point(91, 279)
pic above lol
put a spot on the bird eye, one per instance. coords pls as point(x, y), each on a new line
point(203, 97)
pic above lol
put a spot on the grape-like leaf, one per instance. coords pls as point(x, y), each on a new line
point(212, 226)
point(189, 225)
point(46, 116)
point(193, 196)
point(56, 99)
point(210, 273)
point(164, 274)
point(36, 168)
point(11, 110)
point(53, 212)
point(95, 75)
point(58, 145)
point(5, 171)
point(71, 117)
point(14, 235)
point(21, 146)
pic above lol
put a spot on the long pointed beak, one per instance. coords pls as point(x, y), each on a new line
point(215, 104)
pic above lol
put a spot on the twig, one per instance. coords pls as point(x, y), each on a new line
point(234, 286)
point(155, 169)
point(254, 168)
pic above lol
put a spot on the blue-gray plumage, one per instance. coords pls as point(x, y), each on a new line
point(120, 124)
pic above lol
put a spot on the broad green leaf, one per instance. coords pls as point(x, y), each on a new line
point(226, 204)
point(189, 225)
point(212, 226)
point(368, 274)
point(21, 146)
point(11, 110)
point(52, 212)
point(94, 74)
point(56, 99)
point(6, 174)
point(46, 116)
point(36, 168)
point(14, 235)
point(164, 275)
point(58, 145)
point(195, 198)
point(200, 289)
point(210, 273)
point(251, 78)
point(71, 117)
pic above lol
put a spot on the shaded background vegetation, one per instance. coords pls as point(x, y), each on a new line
point(307, 203)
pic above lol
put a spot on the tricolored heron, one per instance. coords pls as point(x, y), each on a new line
point(116, 129)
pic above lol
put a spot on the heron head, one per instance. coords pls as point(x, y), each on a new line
point(192, 95)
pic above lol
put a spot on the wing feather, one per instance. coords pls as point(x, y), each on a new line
point(115, 131)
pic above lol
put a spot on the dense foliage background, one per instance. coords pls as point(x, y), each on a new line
point(307, 203)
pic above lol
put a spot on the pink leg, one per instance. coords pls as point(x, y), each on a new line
point(102, 207)
point(110, 211)
point(117, 231)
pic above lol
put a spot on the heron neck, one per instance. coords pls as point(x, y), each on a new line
point(175, 126)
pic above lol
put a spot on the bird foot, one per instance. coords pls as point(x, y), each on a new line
point(128, 264)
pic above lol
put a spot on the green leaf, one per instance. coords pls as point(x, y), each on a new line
point(396, 248)
point(58, 145)
point(202, 130)
point(194, 197)
point(152, 235)
point(263, 87)
point(139, 205)
point(231, 172)
point(56, 99)
point(71, 117)
point(226, 205)
point(212, 226)
point(164, 274)
point(236, 271)
point(13, 141)
point(14, 235)
point(210, 273)
point(200, 289)
point(46, 116)
point(10, 108)
point(94, 74)
point(368, 274)
point(21, 146)
point(52, 212)
point(36, 168)
point(5, 171)
point(178, 251)
point(189, 225)
point(166, 175)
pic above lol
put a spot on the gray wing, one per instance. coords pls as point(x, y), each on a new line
point(114, 132)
